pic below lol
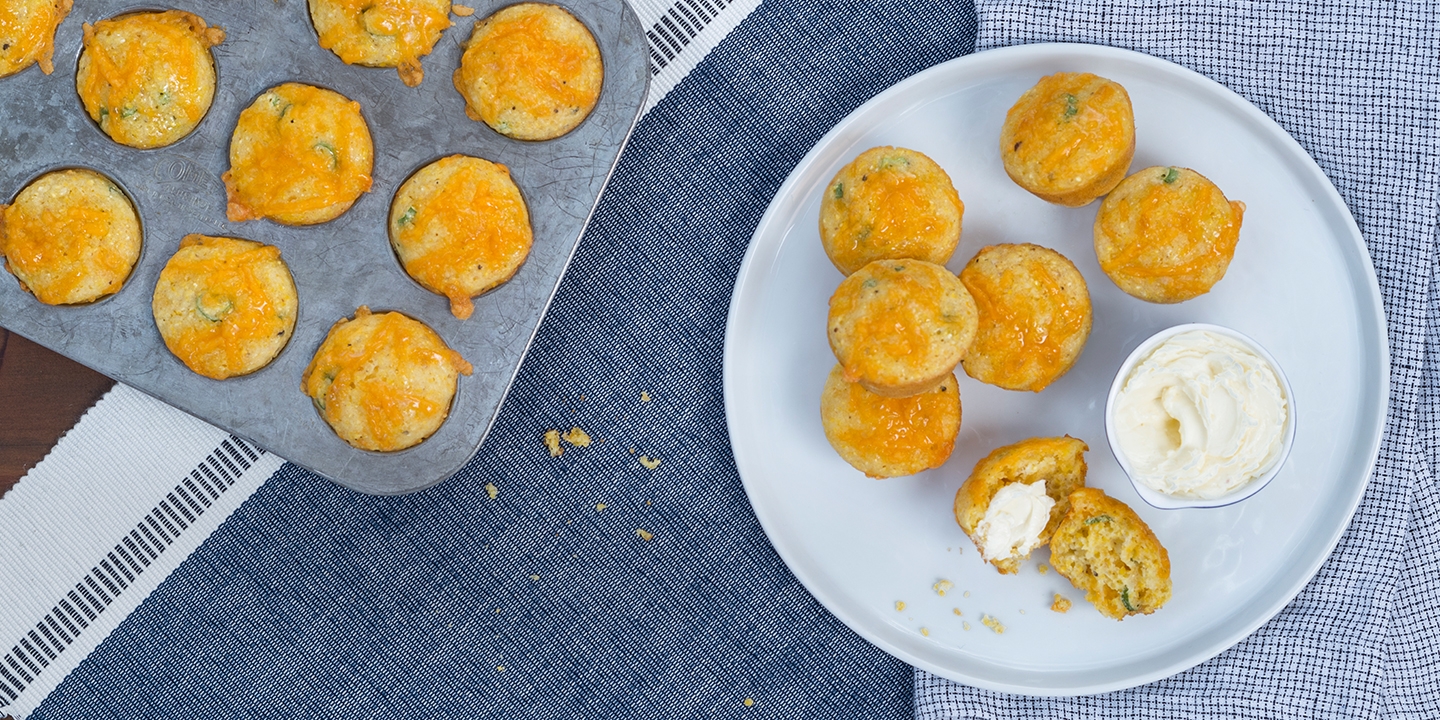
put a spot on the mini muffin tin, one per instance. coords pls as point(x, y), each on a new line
point(338, 265)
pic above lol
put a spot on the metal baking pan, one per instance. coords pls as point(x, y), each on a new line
point(338, 265)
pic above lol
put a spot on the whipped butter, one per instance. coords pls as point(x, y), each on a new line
point(1200, 416)
point(1013, 521)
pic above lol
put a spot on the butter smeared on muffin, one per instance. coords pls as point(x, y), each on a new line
point(1017, 496)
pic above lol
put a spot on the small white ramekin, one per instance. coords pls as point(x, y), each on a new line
point(1170, 502)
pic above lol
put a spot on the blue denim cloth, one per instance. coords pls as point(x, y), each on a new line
point(314, 601)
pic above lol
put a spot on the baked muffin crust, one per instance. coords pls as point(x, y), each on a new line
point(530, 71)
point(70, 237)
point(148, 78)
point(300, 155)
point(460, 228)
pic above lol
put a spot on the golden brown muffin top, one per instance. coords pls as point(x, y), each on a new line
point(299, 154)
point(27, 33)
point(141, 75)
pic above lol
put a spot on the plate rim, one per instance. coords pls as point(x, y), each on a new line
point(749, 272)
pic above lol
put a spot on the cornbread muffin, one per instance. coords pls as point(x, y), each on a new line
point(383, 382)
point(889, 437)
point(899, 327)
point(1034, 316)
point(1167, 234)
point(460, 228)
point(1105, 549)
point(383, 33)
point(889, 203)
point(148, 78)
point(27, 33)
point(300, 155)
point(70, 237)
point(530, 71)
point(1070, 138)
point(225, 306)
point(1057, 462)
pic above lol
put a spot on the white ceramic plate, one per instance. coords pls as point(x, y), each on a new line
point(1301, 284)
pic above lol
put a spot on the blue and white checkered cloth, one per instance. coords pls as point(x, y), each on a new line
point(1358, 85)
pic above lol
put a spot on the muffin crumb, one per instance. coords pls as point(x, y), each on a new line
point(1061, 604)
point(899, 606)
point(957, 612)
point(943, 587)
point(644, 396)
point(993, 623)
point(492, 491)
point(749, 702)
point(649, 463)
point(552, 442)
point(644, 535)
point(1043, 568)
point(577, 437)
point(599, 507)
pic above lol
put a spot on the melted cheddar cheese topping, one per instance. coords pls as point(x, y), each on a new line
point(27, 33)
point(1027, 320)
point(461, 227)
point(1179, 232)
point(384, 382)
point(148, 78)
point(70, 237)
point(381, 33)
point(300, 155)
point(896, 432)
point(225, 307)
point(531, 71)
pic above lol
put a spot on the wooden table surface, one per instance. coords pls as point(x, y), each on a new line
point(42, 395)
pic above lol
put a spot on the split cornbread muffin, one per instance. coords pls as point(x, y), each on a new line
point(383, 381)
point(1008, 524)
point(1167, 234)
point(887, 437)
point(148, 78)
point(889, 203)
point(1034, 316)
point(70, 237)
point(530, 71)
point(381, 33)
point(460, 228)
point(27, 33)
point(1070, 138)
point(225, 306)
point(300, 155)
point(1105, 549)
point(899, 327)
